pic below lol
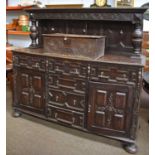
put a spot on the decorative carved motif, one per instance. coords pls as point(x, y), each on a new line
point(86, 16)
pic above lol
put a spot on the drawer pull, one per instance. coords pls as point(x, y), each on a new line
point(76, 71)
point(74, 102)
point(102, 74)
point(84, 30)
point(89, 108)
point(124, 75)
point(50, 94)
point(67, 41)
point(57, 98)
point(57, 82)
point(53, 29)
point(37, 65)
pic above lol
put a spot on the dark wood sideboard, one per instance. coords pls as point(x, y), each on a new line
point(100, 96)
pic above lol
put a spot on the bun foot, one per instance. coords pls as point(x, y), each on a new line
point(131, 148)
point(16, 114)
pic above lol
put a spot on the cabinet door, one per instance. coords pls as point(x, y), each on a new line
point(110, 108)
point(30, 90)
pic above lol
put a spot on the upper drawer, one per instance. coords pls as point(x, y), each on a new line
point(114, 73)
point(67, 83)
point(68, 67)
point(29, 62)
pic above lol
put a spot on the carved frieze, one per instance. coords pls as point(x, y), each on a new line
point(86, 16)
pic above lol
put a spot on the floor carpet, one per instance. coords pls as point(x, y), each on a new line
point(27, 135)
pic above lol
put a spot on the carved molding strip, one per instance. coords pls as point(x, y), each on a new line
point(88, 16)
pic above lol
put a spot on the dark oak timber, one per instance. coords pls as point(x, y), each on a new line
point(100, 95)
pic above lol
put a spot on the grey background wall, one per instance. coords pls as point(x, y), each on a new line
point(24, 41)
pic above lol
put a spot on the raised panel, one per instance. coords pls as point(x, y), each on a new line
point(101, 98)
point(118, 122)
point(37, 101)
point(120, 100)
point(24, 98)
point(25, 80)
point(99, 119)
point(37, 83)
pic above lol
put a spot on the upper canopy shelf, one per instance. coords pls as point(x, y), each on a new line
point(103, 14)
point(90, 10)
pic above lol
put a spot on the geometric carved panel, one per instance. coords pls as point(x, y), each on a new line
point(30, 89)
point(108, 108)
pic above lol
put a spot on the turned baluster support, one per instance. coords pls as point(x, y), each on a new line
point(137, 39)
point(34, 32)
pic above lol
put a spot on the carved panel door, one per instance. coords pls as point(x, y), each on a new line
point(110, 108)
point(30, 90)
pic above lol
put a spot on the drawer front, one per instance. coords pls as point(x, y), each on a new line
point(66, 117)
point(29, 62)
point(66, 100)
point(67, 83)
point(113, 73)
point(70, 68)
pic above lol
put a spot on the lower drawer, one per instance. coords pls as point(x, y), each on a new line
point(67, 100)
point(70, 118)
